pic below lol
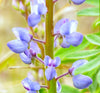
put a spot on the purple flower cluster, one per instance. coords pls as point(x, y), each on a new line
point(80, 81)
point(30, 86)
point(28, 49)
point(67, 29)
point(50, 71)
point(23, 45)
point(38, 8)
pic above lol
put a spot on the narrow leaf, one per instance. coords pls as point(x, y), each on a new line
point(93, 2)
point(94, 39)
point(68, 89)
point(89, 12)
point(82, 54)
point(94, 63)
point(65, 51)
point(98, 77)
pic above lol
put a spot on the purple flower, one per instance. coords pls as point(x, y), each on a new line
point(76, 65)
point(42, 9)
point(30, 85)
point(78, 2)
point(21, 43)
point(26, 57)
point(67, 29)
point(50, 71)
point(54, 63)
point(17, 46)
point(30, 53)
point(22, 34)
point(81, 81)
point(38, 8)
point(33, 19)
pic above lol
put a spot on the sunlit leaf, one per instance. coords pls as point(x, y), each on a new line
point(98, 77)
point(89, 12)
point(94, 39)
point(62, 52)
point(42, 90)
point(93, 2)
point(96, 23)
point(82, 54)
point(94, 84)
point(94, 63)
point(68, 89)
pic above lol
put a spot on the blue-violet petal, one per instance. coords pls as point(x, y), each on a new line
point(33, 19)
point(50, 73)
point(81, 81)
point(17, 46)
point(74, 38)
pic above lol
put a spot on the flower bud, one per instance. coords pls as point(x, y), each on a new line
point(25, 58)
point(33, 19)
point(17, 46)
point(81, 81)
point(21, 34)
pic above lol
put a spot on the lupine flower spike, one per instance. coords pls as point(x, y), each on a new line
point(23, 45)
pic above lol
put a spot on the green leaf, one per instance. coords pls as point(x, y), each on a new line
point(94, 39)
point(82, 54)
point(65, 51)
point(93, 2)
point(65, 61)
point(89, 12)
point(68, 89)
point(8, 58)
point(94, 84)
point(98, 77)
point(42, 90)
point(94, 63)
point(96, 23)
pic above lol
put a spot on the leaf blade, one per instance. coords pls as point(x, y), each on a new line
point(89, 12)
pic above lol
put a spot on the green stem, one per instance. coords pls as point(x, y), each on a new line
point(49, 45)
